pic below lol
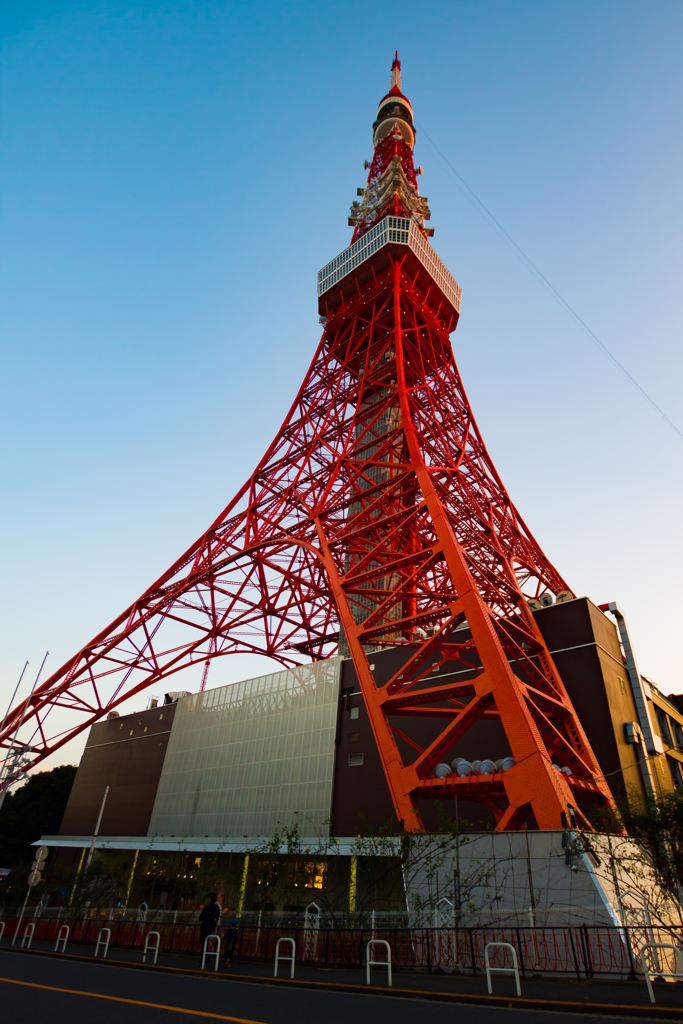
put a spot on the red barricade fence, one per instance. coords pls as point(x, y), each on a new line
point(582, 950)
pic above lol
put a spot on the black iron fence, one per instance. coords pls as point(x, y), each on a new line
point(581, 950)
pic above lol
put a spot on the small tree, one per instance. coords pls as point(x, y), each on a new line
point(36, 808)
point(657, 822)
point(102, 885)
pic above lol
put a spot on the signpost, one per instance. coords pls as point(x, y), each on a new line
point(34, 877)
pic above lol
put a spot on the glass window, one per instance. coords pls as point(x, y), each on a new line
point(354, 712)
point(355, 760)
point(678, 733)
point(663, 722)
point(676, 772)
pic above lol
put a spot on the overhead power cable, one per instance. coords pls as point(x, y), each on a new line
point(482, 209)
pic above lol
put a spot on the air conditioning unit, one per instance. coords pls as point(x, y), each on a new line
point(632, 732)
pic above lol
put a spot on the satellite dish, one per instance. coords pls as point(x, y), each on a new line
point(564, 595)
point(546, 599)
point(534, 604)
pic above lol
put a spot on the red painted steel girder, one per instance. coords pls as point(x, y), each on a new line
point(376, 519)
point(296, 551)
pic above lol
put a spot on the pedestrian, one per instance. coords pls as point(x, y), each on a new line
point(208, 920)
point(231, 941)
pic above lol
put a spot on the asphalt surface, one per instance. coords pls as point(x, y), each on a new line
point(57, 990)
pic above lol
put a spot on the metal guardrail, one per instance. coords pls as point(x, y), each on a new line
point(62, 937)
point(214, 951)
point(103, 942)
point(651, 951)
point(291, 945)
point(370, 962)
point(151, 946)
point(492, 968)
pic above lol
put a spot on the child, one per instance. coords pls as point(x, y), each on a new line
point(231, 941)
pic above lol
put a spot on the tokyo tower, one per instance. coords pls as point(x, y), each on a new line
point(375, 520)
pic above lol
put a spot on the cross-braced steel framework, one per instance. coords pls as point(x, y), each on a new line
point(376, 519)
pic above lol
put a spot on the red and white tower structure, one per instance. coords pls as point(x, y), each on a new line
point(376, 519)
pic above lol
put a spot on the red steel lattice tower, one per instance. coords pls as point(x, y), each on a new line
point(375, 519)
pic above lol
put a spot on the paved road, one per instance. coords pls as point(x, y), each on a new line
point(64, 992)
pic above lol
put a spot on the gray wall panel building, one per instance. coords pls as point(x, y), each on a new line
point(245, 757)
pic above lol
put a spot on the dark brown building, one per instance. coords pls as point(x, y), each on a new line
point(127, 754)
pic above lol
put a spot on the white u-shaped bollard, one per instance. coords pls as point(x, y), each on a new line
point(658, 973)
point(212, 952)
point(280, 956)
point(377, 963)
point(2, 930)
point(501, 970)
point(62, 938)
point(151, 947)
point(104, 942)
point(28, 934)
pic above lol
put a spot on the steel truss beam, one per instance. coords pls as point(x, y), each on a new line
point(378, 511)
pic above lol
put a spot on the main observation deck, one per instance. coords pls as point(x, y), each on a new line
point(370, 254)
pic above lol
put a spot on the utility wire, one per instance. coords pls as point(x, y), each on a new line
point(478, 205)
point(636, 764)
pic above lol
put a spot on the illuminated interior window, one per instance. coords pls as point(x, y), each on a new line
point(307, 874)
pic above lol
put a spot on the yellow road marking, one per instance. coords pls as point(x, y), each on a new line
point(134, 1002)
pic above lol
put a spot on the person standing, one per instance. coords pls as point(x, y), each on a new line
point(208, 920)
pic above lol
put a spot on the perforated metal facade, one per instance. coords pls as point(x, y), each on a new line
point(245, 757)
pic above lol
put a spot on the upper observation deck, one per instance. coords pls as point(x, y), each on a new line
point(370, 254)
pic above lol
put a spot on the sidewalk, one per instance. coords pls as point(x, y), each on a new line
point(606, 995)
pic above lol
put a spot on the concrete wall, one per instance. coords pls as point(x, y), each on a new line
point(596, 879)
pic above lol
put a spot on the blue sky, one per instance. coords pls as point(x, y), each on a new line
point(174, 174)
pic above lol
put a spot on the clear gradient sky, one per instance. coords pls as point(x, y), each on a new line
point(173, 174)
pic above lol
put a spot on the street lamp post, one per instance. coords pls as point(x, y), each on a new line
point(97, 829)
